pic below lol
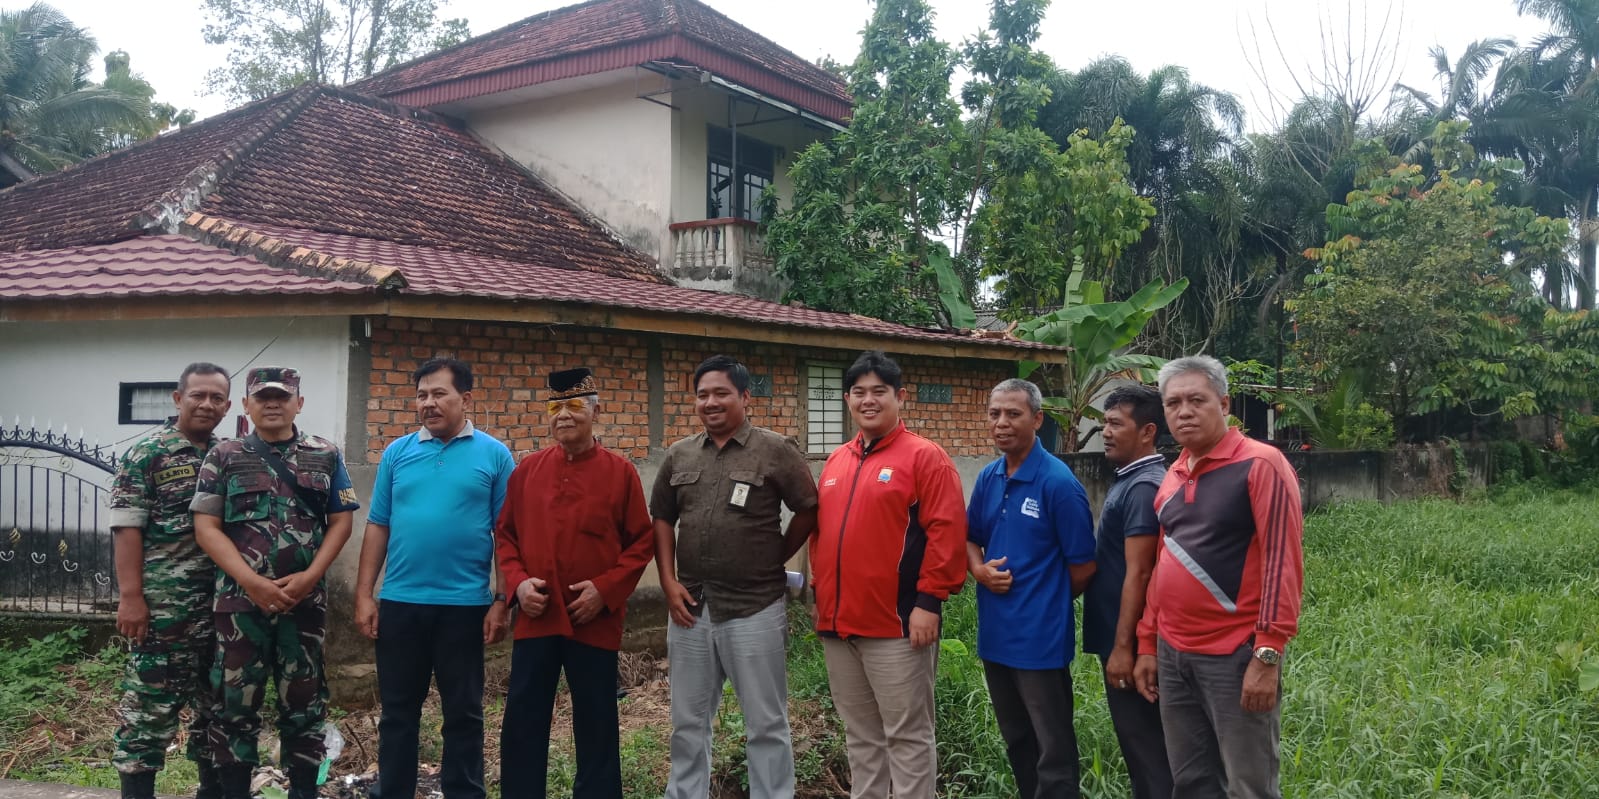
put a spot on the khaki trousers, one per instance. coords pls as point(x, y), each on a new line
point(883, 690)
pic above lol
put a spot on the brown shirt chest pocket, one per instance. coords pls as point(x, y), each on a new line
point(746, 491)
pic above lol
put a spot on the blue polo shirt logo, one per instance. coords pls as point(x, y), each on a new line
point(1030, 507)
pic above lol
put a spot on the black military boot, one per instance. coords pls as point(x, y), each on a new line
point(140, 785)
point(235, 779)
point(302, 782)
point(210, 781)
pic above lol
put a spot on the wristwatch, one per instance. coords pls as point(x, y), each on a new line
point(499, 597)
point(1268, 656)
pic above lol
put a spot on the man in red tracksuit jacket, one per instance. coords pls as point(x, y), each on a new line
point(1223, 601)
point(889, 548)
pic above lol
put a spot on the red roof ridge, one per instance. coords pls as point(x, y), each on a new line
point(273, 251)
point(501, 58)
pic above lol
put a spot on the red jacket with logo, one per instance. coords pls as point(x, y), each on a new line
point(1230, 567)
point(890, 535)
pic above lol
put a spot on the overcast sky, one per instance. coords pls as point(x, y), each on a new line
point(1226, 44)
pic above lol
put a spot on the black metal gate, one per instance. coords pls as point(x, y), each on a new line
point(55, 542)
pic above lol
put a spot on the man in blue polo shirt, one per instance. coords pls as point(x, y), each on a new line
point(437, 495)
point(1030, 546)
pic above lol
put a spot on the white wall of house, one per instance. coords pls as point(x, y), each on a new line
point(604, 147)
point(68, 373)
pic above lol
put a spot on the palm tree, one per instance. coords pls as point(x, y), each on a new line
point(1186, 159)
point(48, 107)
point(1558, 79)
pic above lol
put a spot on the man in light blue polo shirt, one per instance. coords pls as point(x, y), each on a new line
point(437, 495)
point(1030, 546)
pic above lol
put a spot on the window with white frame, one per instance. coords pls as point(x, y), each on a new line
point(825, 417)
point(145, 403)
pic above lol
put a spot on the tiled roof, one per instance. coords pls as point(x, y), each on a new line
point(323, 159)
point(97, 201)
point(433, 271)
point(163, 265)
point(608, 24)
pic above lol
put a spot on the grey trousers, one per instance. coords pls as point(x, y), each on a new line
point(1034, 710)
point(751, 653)
point(1216, 748)
point(883, 690)
point(1142, 740)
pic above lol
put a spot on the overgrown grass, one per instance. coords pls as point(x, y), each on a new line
point(1441, 651)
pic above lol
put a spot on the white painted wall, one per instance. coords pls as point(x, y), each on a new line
point(68, 372)
point(707, 105)
point(605, 148)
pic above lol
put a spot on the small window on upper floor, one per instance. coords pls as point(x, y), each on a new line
point(736, 175)
point(145, 403)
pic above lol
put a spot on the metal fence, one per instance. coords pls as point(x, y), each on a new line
point(55, 542)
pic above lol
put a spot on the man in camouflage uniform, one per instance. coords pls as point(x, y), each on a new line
point(273, 510)
point(166, 582)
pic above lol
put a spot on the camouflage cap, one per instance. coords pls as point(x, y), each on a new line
point(282, 378)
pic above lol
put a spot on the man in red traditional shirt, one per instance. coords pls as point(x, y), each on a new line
point(573, 540)
point(1223, 601)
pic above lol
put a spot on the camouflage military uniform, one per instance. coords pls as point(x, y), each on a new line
point(171, 667)
point(277, 537)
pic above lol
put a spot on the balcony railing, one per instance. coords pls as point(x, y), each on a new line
point(718, 249)
point(727, 255)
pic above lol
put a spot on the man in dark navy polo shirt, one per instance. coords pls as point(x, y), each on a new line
point(1127, 538)
point(1030, 545)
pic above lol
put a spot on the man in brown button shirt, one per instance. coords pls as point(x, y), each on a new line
point(722, 573)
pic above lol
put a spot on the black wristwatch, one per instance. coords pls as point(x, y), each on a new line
point(499, 597)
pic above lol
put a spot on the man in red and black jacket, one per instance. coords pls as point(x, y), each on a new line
point(889, 548)
point(1223, 601)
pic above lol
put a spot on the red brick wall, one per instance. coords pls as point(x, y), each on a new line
point(511, 362)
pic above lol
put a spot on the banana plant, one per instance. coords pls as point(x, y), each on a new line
point(1098, 333)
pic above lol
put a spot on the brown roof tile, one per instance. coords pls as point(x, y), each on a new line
point(166, 265)
point(608, 24)
point(433, 271)
point(324, 159)
point(97, 201)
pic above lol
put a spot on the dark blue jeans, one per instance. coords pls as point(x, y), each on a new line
point(417, 643)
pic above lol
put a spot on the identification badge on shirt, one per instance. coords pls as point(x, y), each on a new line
point(741, 495)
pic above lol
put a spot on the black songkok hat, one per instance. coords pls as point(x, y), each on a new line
point(570, 383)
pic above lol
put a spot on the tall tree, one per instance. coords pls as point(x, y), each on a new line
point(1186, 158)
point(274, 45)
point(872, 208)
point(51, 115)
point(1435, 251)
point(1560, 79)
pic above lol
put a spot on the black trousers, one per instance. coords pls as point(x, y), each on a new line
point(417, 643)
point(1142, 740)
point(1034, 712)
point(536, 666)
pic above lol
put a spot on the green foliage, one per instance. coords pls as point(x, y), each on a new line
point(872, 208)
point(1098, 333)
point(1422, 291)
point(867, 204)
point(274, 45)
point(30, 678)
point(1074, 211)
point(51, 115)
point(1340, 418)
